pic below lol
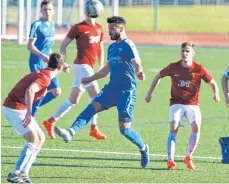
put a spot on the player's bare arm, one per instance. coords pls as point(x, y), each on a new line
point(32, 48)
point(63, 47)
point(224, 83)
point(101, 55)
point(215, 90)
point(29, 96)
point(100, 74)
point(138, 68)
point(153, 85)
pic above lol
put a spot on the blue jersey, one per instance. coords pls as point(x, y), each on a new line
point(122, 70)
point(44, 33)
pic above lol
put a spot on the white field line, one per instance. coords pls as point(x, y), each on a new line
point(112, 153)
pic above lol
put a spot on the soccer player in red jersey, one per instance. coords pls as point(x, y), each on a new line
point(89, 41)
point(17, 109)
point(186, 76)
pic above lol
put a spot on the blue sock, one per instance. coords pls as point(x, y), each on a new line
point(42, 101)
point(36, 106)
point(84, 117)
point(47, 98)
point(133, 136)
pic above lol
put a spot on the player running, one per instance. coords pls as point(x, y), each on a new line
point(89, 41)
point(186, 76)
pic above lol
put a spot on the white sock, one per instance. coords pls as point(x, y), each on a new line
point(192, 143)
point(24, 156)
point(94, 118)
point(63, 109)
point(30, 162)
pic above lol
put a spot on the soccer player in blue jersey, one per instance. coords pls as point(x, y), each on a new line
point(40, 42)
point(124, 65)
point(224, 141)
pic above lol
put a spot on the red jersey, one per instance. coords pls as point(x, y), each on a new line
point(16, 97)
point(88, 38)
point(185, 82)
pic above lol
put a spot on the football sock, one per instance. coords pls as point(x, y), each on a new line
point(133, 136)
point(24, 156)
point(63, 109)
point(94, 118)
point(36, 106)
point(192, 143)
point(42, 101)
point(47, 98)
point(30, 162)
point(84, 117)
point(171, 145)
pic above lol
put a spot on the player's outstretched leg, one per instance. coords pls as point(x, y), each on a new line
point(66, 134)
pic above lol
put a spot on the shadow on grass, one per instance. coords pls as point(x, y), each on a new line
point(88, 166)
point(111, 159)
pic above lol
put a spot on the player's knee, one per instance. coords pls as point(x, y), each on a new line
point(41, 140)
point(56, 92)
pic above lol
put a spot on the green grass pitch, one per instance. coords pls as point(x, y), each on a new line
point(116, 160)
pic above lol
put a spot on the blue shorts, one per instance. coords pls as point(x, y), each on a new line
point(42, 65)
point(124, 100)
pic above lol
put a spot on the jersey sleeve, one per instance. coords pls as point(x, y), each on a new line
point(133, 51)
point(33, 30)
point(73, 32)
point(226, 73)
point(166, 71)
point(206, 75)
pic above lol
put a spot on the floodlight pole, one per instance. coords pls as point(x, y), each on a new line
point(115, 4)
point(156, 15)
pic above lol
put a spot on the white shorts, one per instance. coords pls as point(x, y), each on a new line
point(15, 118)
point(80, 71)
point(191, 112)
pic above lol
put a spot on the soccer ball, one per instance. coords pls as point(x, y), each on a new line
point(93, 8)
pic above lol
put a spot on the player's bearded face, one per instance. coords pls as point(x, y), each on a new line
point(114, 32)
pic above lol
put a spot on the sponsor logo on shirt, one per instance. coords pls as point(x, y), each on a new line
point(183, 83)
point(94, 39)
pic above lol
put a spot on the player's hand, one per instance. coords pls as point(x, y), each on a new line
point(141, 76)
point(216, 98)
point(86, 80)
point(45, 58)
point(66, 67)
point(148, 98)
point(27, 119)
